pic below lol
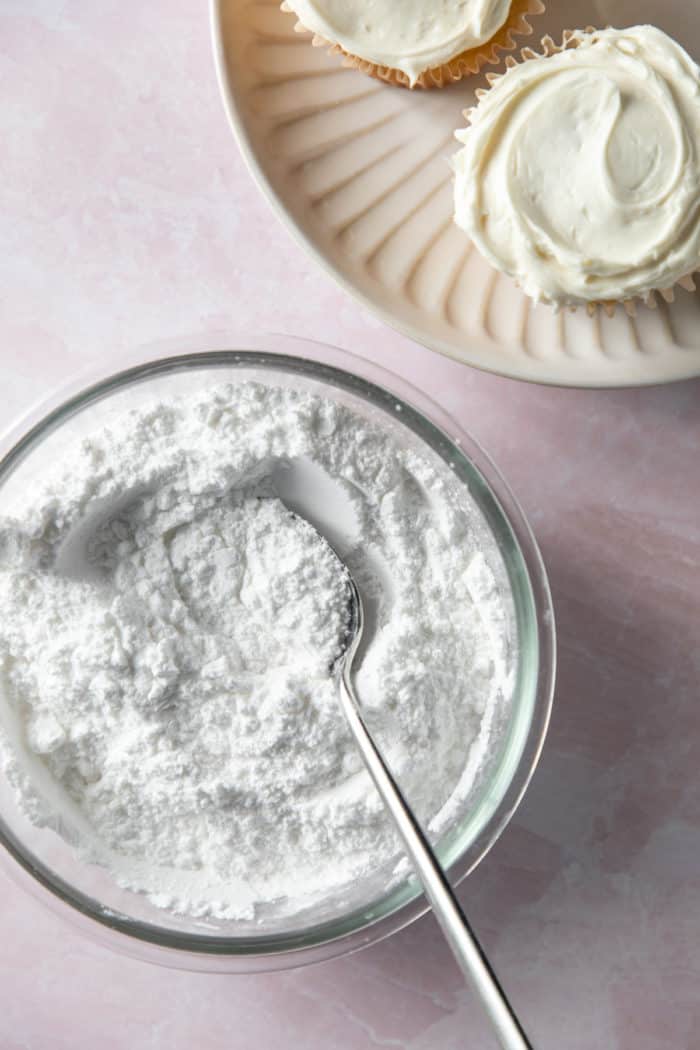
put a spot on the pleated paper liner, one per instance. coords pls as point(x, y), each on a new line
point(571, 39)
point(465, 64)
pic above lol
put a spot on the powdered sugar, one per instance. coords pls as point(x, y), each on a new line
point(167, 630)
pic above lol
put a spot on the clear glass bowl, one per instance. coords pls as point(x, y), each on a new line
point(127, 921)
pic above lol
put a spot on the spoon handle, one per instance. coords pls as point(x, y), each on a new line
point(447, 910)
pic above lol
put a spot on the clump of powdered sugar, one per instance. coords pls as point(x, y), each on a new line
point(167, 634)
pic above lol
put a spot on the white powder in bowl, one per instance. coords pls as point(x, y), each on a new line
point(168, 627)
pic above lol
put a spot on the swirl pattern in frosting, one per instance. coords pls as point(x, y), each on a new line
point(410, 35)
point(580, 172)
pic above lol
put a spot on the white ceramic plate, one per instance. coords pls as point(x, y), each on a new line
point(360, 171)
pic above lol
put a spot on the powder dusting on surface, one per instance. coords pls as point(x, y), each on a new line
point(167, 634)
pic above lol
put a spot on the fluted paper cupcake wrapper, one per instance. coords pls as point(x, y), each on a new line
point(571, 39)
point(464, 64)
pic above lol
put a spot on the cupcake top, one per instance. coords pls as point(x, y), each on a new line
point(580, 172)
point(409, 35)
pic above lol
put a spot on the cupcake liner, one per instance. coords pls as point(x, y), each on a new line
point(464, 64)
point(571, 39)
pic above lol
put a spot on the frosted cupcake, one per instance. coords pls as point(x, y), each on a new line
point(580, 172)
point(416, 43)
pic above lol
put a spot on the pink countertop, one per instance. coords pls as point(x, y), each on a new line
point(126, 215)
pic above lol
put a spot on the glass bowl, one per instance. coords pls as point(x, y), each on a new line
point(50, 868)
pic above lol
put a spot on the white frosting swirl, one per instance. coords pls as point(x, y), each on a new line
point(580, 174)
point(409, 35)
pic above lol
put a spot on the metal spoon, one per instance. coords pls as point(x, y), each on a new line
point(447, 910)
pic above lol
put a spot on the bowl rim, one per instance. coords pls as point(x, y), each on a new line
point(384, 389)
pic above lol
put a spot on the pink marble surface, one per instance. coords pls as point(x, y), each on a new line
point(126, 215)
